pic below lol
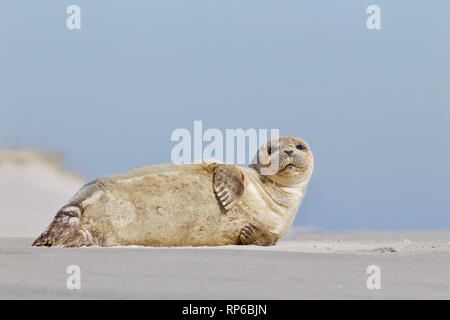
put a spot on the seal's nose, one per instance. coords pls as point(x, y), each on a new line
point(289, 152)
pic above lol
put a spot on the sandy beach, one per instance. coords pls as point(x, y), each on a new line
point(356, 94)
point(414, 265)
point(306, 264)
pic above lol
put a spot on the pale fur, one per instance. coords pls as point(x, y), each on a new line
point(175, 205)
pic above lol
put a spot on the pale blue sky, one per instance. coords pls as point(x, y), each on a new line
point(374, 105)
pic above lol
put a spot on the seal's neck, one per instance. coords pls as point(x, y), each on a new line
point(299, 185)
point(287, 197)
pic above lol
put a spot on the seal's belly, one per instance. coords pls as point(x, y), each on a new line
point(162, 208)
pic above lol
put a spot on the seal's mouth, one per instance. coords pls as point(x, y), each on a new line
point(290, 166)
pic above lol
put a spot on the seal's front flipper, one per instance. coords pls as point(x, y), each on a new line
point(256, 235)
point(228, 185)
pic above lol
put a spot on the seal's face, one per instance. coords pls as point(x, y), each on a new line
point(286, 161)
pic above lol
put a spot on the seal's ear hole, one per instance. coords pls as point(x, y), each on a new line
point(264, 157)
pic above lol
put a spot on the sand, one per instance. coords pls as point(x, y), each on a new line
point(33, 187)
point(414, 265)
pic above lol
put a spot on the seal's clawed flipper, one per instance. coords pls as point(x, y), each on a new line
point(256, 235)
point(228, 185)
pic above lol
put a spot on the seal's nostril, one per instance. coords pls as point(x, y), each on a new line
point(289, 152)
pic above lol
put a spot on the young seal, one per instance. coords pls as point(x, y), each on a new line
point(203, 204)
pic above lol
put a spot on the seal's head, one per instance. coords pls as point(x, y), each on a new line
point(286, 160)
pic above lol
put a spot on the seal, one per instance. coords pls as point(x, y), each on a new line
point(199, 204)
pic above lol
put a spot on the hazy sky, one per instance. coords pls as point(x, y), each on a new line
point(373, 105)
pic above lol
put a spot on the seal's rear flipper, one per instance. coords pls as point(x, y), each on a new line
point(66, 229)
point(65, 223)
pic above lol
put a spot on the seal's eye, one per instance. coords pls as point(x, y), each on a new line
point(271, 149)
point(301, 147)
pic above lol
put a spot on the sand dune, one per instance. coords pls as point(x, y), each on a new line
point(32, 189)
